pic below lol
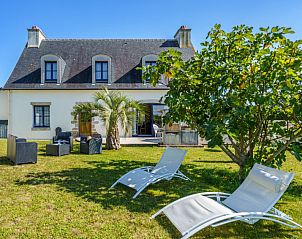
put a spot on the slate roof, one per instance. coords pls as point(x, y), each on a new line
point(126, 56)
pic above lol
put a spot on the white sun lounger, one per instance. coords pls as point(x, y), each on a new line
point(253, 200)
point(166, 168)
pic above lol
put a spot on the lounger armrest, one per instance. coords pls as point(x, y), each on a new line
point(217, 195)
point(147, 168)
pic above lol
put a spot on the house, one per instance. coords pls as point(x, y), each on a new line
point(52, 75)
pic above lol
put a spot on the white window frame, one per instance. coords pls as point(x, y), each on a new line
point(101, 57)
point(60, 67)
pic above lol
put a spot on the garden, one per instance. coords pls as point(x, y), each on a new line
point(70, 196)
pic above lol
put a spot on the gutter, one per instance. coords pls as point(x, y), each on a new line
point(130, 88)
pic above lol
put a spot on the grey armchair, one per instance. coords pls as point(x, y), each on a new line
point(19, 151)
point(63, 138)
point(91, 146)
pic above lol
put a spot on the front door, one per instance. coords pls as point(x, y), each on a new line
point(84, 127)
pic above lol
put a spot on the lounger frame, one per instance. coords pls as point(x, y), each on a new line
point(270, 214)
point(156, 178)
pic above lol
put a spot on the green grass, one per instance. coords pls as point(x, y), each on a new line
point(69, 196)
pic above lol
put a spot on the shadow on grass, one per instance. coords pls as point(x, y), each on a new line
point(234, 230)
point(213, 161)
point(5, 161)
point(93, 183)
point(212, 150)
point(294, 190)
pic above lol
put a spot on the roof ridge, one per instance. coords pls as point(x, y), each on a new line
point(108, 39)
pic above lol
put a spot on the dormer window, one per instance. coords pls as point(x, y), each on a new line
point(149, 60)
point(51, 72)
point(149, 63)
point(101, 71)
point(52, 69)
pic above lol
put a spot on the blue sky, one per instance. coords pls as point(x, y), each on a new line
point(133, 19)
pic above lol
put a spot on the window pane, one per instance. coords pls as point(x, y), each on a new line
point(97, 66)
point(38, 115)
point(46, 110)
point(98, 76)
point(105, 66)
point(54, 66)
point(48, 75)
point(105, 75)
point(150, 63)
point(48, 66)
point(46, 116)
point(54, 75)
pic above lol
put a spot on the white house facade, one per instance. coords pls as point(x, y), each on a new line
point(52, 75)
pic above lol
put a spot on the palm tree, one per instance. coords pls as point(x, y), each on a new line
point(114, 109)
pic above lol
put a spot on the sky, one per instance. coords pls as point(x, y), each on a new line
point(133, 19)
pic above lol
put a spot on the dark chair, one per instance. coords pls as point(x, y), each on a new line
point(63, 138)
point(58, 130)
point(19, 151)
point(91, 146)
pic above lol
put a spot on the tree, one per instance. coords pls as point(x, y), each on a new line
point(113, 108)
point(241, 85)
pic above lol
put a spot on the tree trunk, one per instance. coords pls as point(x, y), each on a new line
point(241, 173)
point(239, 157)
point(113, 139)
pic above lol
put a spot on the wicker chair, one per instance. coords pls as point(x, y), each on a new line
point(19, 151)
point(91, 146)
point(63, 138)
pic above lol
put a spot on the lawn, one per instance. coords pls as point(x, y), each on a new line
point(69, 197)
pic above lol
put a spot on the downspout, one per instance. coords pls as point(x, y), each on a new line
point(9, 112)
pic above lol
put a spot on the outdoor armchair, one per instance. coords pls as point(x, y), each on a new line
point(63, 138)
point(91, 146)
point(19, 151)
point(166, 168)
point(253, 200)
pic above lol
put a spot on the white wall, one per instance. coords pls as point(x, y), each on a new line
point(3, 105)
point(62, 102)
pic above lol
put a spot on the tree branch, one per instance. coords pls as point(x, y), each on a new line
point(284, 146)
point(237, 150)
point(230, 154)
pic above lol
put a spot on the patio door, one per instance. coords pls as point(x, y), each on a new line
point(151, 115)
point(144, 121)
point(84, 127)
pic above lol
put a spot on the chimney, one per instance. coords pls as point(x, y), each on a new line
point(35, 37)
point(183, 36)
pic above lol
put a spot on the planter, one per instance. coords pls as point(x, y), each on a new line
point(172, 139)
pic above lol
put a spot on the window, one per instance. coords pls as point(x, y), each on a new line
point(149, 63)
point(50, 71)
point(101, 71)
point(41, 116)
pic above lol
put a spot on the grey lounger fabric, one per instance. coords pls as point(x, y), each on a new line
point(167, 168)
point(253, 200)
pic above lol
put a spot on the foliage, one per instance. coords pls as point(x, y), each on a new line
point(113, 108)
point(242, 86)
